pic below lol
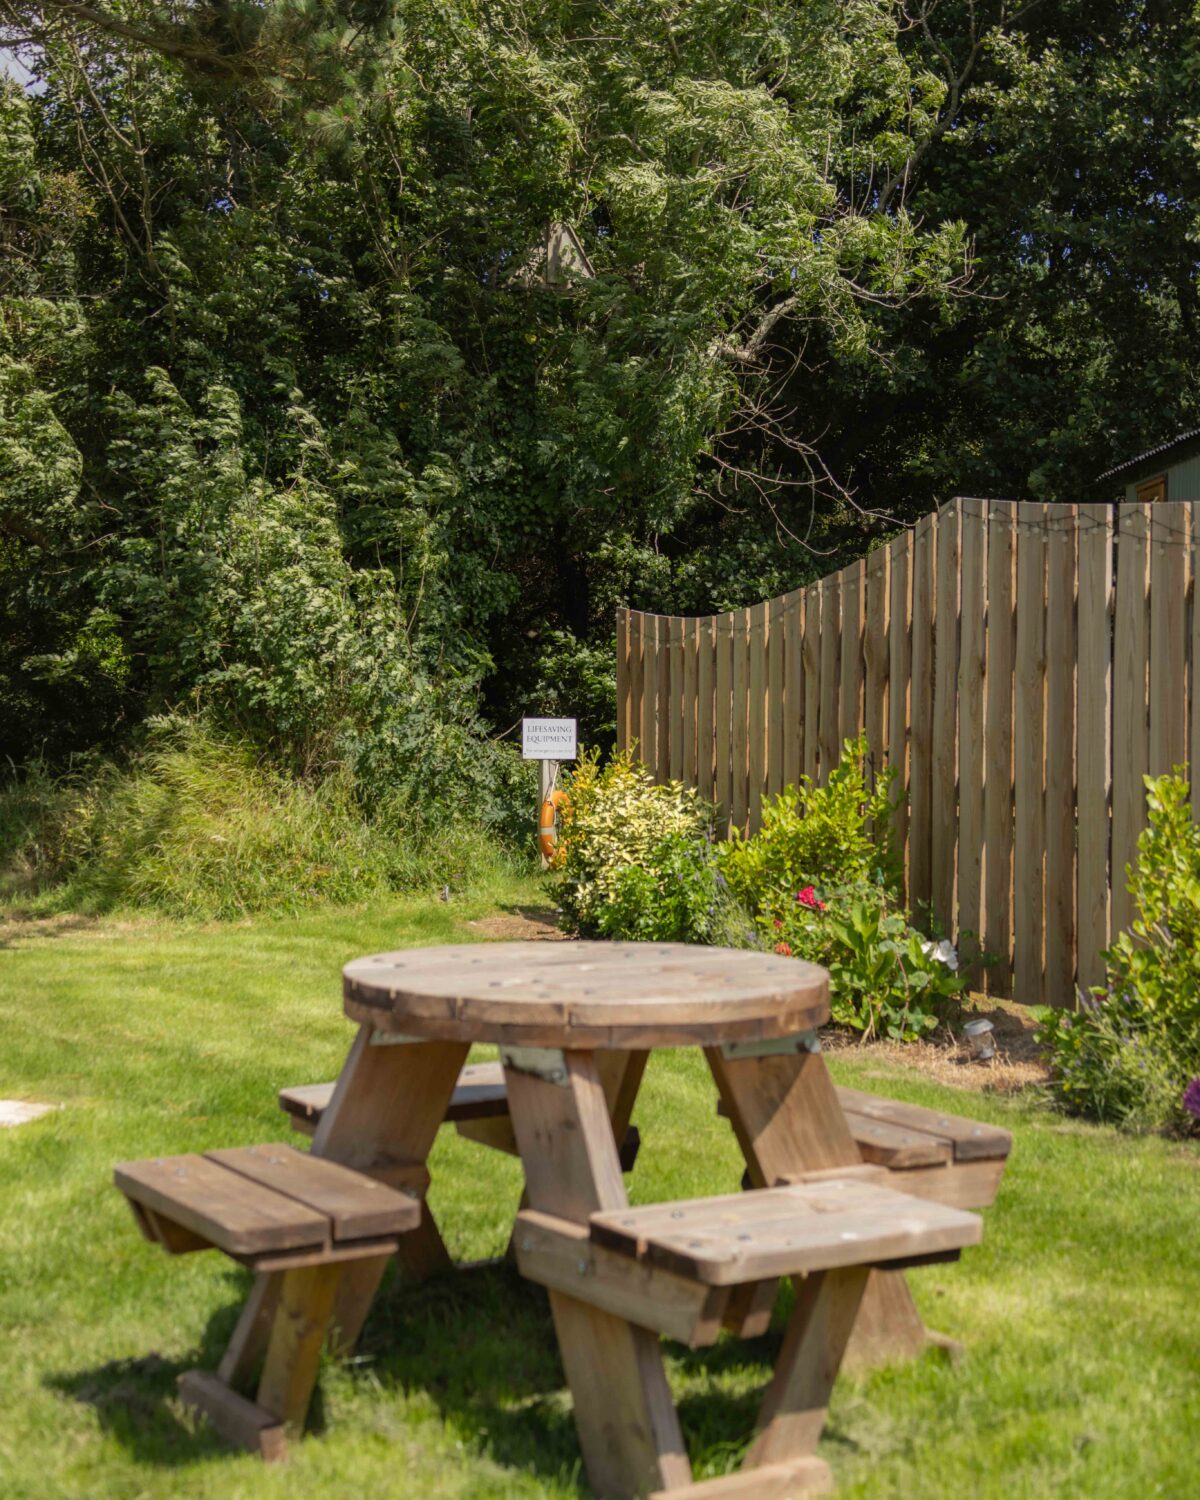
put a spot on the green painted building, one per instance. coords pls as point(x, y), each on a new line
point(1169, 472)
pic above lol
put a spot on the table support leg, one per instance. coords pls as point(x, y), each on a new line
point(794, 1407)
point(785, 1113)
point(297, 1337)
point(628, 1428)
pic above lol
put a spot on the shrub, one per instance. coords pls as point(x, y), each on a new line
point(1128, 1054)
point(823, 836)
point(199, 826)
point(822, 882)
point(619, 835)
point(676, 896)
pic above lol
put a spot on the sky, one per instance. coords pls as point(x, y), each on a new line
point(12, 68)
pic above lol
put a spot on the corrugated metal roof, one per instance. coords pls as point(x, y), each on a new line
point(1163, 448)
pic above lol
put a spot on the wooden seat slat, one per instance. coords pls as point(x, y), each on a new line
point(357, 1207)
point(225, 1208)
point(887, 1145)
point(970, 1140)
point(814, 1226)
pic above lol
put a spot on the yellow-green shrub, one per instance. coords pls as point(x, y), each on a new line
point(616, 819)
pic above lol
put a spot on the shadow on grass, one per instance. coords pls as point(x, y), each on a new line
point(479, 1343)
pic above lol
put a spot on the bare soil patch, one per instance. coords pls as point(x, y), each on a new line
point(536, 924)
point(946, 1057)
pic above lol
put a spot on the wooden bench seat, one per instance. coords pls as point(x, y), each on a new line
point(269, 1207)
point(939, 1156)
point(688, 1269)
point(842, 1220)
point(272, 1208)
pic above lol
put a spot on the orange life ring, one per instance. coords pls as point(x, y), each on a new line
point(548, 823)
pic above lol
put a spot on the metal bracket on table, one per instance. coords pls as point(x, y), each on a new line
point(546, 1063)
point(394, 1039)
point(780, 1046)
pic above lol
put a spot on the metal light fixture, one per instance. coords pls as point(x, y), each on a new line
point(980, 1039)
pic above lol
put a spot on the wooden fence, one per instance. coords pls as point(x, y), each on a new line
point(1022, 666)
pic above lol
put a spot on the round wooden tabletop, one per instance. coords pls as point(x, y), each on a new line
point(579, 994)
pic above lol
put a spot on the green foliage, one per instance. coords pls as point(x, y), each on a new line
point(622, 836)
point(675, 896)
point(814, 835)
point(822, 883)
point(1129, 1053)
point(199, 826)
point(885, 979)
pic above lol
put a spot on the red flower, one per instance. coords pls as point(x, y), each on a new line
point(808, 897)
point(778, 921)
point(784, 948)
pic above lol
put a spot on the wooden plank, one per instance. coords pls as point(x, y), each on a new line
point(893, 1146)
point(1194, 604)
point(637, 669)
point(785, 1231)
point(1131, 729)
point(998, 745)
point(850, 690)
point(793, 688)
point(971, 659)
point(559, 1254)
point(831, 629)
point(785, 1481)
point(357, 1207)
point(691, 696)
point(920, 816)
point(239, 1421)
point(776, 708)
point(875, 655)
point(663, 713)
point(220, 1206)
point(899, 624)
point(1063, 525)
point(740, 788)
point(1093, 755)
point(811, 651)
point(294, 1350)
point(967, 1184)
point(785, 1114)
point(676, 711)
point(1169, 545)
point(628, 1428)
point(723, 792)
point(650, 654)
point(706, 664)
point(1029, 690)
point(623, 694)
point(944, 768)
point(970, 1140)
point(759, 624)
point(794, 1407)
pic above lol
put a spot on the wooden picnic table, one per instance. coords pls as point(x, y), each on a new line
point(575, 1024)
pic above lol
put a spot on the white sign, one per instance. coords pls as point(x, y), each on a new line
point(548, 739)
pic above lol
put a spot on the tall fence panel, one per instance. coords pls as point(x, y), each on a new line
point(1020, 667)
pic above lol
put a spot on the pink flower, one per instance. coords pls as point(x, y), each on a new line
point(778, 921)
point(784, 948)
point(808, 897)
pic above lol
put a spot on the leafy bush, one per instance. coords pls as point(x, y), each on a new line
point(624, 838)
point(818, 835)
point(822, 882)
point(676, 896)
point(1129, 1053)
point(199, 826)
point(885, 978)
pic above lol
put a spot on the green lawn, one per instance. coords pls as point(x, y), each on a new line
point(1081, 1312)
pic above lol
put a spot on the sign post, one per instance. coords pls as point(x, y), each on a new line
point(548, 741)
